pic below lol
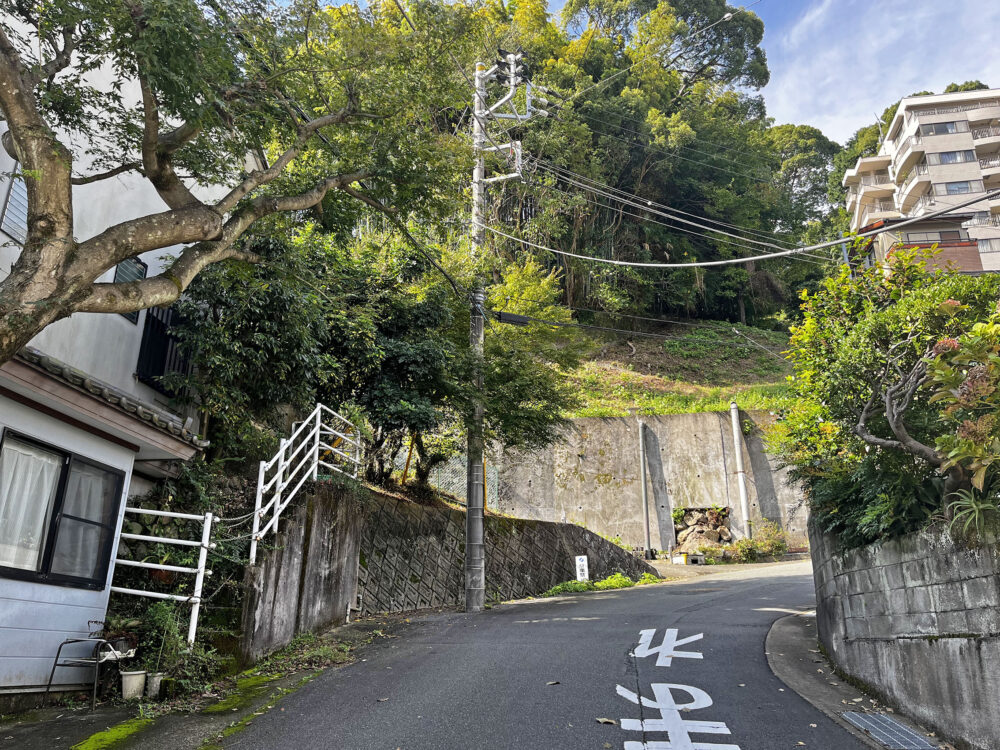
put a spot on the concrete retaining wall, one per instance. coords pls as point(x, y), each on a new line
point(348, 543)
point(918, 619)
point(592, 476)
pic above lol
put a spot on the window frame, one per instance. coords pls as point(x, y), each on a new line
point(44, 574)
point(131, 317)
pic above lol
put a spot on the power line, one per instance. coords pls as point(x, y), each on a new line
point(624, 195)
point(637, 204)
point(660, 223)
point(735, 261)
point(675, 228)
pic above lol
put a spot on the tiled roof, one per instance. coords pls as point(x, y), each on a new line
point(154, 415)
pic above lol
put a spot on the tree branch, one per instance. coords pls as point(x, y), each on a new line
point(168, 285)
point(393, 216)
point(263, 176)
point(62, 58)
point(114, 172)
point(156, 157)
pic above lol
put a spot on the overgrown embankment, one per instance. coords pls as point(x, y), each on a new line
point(701, 368)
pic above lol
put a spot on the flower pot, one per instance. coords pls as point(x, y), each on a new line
point(153, 681)
point(133, 684)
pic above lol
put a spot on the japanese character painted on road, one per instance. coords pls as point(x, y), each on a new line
point(678, 730)
point(668, 648)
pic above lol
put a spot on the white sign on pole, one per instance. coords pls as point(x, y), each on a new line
point(582, 572)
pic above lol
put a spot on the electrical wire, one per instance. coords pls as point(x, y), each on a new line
point(820, 259)
point(637, 204)
point(771, 236)
point(735, 261)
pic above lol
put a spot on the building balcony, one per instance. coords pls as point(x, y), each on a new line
point(985, 112)
point(866, 168)
point(990, 167)
point(877, 211)
point(910, 152)
point(915, 185)
point(991, 245)
point(986, 138)
point(971, 108)
point(982, 219)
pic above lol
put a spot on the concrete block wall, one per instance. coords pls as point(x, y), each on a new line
point(918, 619)
point(593, 477)
point(347, 543)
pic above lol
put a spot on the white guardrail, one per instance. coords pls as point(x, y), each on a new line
point(324, 438)
point(199, 572)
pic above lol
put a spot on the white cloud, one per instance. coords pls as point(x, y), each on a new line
point(841, 63)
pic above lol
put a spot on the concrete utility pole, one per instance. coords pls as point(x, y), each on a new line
point(475, 554)
point(734, 413)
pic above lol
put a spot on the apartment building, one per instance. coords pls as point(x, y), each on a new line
point(938, 151)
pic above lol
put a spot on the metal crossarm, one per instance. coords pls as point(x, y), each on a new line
point(324, 438)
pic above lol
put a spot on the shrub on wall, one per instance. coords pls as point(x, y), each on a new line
point(895, 378)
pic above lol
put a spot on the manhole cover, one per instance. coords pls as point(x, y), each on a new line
point(888, 731)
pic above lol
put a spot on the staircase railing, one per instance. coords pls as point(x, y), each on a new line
point(324, 438)
point(199, 573)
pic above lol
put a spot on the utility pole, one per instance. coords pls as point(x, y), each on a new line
point(475, 508)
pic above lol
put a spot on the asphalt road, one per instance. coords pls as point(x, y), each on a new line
point(460, 682)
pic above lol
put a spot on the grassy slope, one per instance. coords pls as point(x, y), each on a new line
point(702, 370)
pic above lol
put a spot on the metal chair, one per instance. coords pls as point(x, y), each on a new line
point(102, 652)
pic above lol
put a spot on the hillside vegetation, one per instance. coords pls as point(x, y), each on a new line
point(702, 369)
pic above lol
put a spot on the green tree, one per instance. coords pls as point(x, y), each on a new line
point(235, 97)
point(864, 434)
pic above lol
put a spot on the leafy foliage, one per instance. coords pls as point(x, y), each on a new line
point(865, 433)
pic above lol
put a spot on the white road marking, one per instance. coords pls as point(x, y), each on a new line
point(678, 729)
point(667, 650)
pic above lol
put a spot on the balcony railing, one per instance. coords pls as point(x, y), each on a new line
point(991, 245)
point(876, 178)
point(881, 206)
point(991, 131)
point(990, 161)
point(983, 219)
point(917, 170)
point(910, 114)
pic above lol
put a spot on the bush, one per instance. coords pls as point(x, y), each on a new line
point(569, 587)
point(614, 581)
point(647, 578)
point(897, 385)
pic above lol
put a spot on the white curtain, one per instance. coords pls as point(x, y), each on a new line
point(29, 477)
point(89, 494)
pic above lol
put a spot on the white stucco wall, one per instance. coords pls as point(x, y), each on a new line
point(34, 617)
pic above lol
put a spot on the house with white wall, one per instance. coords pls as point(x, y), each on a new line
point(84, 425)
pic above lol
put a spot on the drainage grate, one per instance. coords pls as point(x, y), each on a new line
point(888, 731)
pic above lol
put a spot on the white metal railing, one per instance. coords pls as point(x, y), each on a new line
point(987, 132)
point(324, 438)
point(990, 161)
point(198, 572)
point(911, 113)
point(983, 219)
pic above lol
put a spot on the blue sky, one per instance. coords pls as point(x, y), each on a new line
point(836, 63)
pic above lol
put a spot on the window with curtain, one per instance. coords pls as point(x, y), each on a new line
point(57, 514)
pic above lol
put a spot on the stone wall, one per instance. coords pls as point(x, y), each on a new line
point(348, 544)
point(592, 476)
point(918, 620)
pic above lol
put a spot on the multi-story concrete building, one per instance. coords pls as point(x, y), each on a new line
point(938, 151)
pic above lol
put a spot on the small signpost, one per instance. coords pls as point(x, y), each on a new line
point(582, 572)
